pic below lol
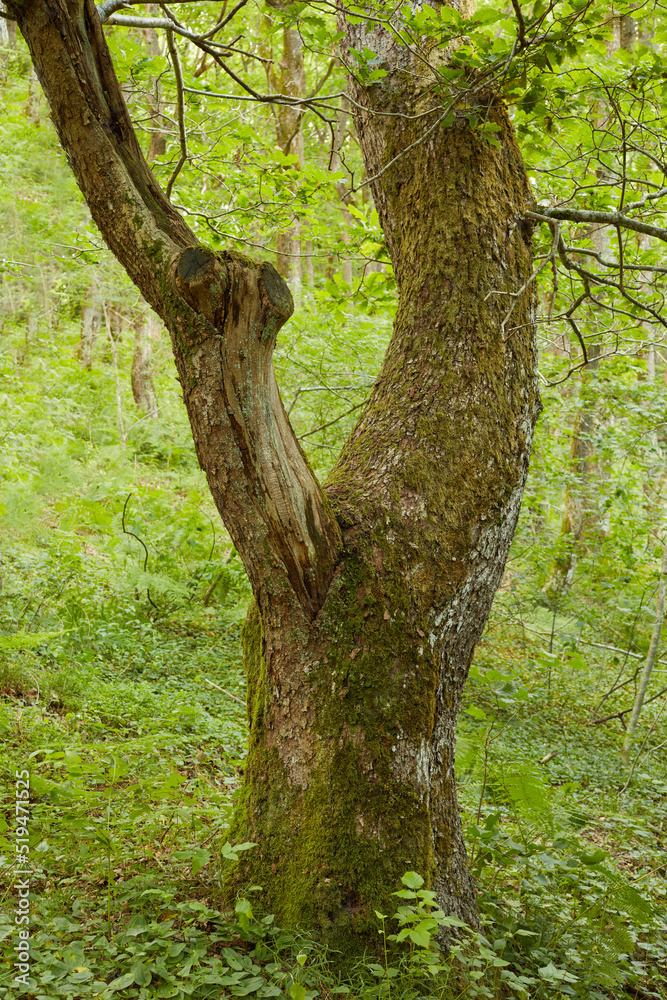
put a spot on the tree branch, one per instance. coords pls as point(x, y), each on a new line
point(223, 312)
point(109, 7)
point(180, 109)
point(601, 218)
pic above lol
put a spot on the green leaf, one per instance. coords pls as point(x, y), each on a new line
point(122, 981)
point(421, 938)
point(142, 974)
point(412, 880)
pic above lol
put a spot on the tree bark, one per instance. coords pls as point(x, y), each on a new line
point(371, 593)
point(350, 776)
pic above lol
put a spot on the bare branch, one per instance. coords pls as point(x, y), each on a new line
point(180, 110)
point(601, 218)
point(109, 7)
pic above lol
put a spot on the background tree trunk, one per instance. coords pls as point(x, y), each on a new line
point(158, 140)
point(4, 30)
point(146, 332)
point(341, 186)
point(581, 522)
point(91, 320)
point(291, 80)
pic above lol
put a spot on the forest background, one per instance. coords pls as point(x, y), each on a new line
point(122, 598)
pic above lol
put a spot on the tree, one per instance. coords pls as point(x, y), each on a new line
point(371, 591)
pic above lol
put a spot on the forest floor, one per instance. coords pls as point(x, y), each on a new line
point(130, 719)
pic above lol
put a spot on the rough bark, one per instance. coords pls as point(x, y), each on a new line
point(370, 595)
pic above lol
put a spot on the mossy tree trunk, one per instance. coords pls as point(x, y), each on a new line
point(372, 591)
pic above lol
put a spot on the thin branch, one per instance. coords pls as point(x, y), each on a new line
point(224, 691)
point(403, 152)
point(109, 7)
point(225, 20)
point(602, 218)
point(129, 21)
point(577, 333)
point(625, 711)
point(126, 531)
point(143, 544)
point(180, 109)
point(521, 32)
point(330, 423)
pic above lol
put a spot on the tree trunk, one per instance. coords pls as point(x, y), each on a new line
point(91, 320)
point(7, 31)
point(649, 663)
point(370, 594)
point(350, 776)
point(292, 81)
point(146, 332)
point(4, 30)
point(581, 522)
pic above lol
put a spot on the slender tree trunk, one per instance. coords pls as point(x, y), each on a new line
point(158, 140)
point(291, 80)
point(146, 332)
point(4, 29)
point(649, 663)
point(580, 525)
point(7, 30)
point(341, 186)
point(91, 320)
point(582, 518)
point(371, 593)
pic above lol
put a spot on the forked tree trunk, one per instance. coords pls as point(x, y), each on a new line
point(371, 593)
